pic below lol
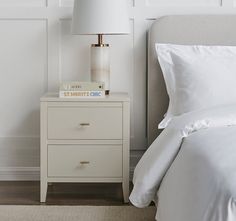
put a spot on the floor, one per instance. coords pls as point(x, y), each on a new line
point(27, 193)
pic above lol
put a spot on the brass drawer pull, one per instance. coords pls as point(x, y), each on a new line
point(84, 162)
point(84, 124)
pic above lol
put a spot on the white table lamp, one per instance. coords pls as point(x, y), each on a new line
point(100, 17)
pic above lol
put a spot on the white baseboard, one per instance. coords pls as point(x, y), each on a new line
point(33, 173)
point(19, 173)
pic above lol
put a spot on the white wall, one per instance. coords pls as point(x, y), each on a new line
point(37, 52)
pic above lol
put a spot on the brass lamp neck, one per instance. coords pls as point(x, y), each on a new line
point(100, 42)
point(100, 39)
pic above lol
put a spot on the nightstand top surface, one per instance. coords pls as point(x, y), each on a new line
point(54, 97)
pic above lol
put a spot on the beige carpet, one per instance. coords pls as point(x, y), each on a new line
point(76, 213)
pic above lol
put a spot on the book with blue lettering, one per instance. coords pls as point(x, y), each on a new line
point(82, 94)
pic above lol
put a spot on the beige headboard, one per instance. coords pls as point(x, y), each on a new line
point(184, 29)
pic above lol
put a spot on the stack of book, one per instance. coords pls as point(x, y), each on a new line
point(82, 90)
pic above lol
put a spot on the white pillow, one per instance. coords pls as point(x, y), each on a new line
point(197, 77)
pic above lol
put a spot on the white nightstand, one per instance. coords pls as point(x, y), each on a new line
point(85, 140)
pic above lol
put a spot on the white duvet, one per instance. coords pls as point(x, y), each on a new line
point(191, 168)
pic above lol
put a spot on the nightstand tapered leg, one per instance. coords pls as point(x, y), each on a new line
point(43, 191)
point(125, 186)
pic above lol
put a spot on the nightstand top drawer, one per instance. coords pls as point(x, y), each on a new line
point(85, 161)
point(85, 122)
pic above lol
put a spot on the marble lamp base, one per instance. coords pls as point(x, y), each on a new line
point(100, 64)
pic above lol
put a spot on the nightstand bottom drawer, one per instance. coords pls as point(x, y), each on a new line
point(84, 160)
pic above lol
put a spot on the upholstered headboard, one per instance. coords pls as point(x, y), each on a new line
point(184, 29)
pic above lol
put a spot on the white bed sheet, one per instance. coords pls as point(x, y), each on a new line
point(191, 167)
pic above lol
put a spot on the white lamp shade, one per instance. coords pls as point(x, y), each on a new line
point(100, 17)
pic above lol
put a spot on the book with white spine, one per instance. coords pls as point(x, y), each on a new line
point(82, 86)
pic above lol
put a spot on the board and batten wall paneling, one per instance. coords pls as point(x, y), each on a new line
point(183, 3)
point(38, 52)
point(23, 69)
point(23, 3)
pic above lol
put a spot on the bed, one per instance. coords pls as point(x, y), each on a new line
point(189, 170)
